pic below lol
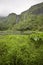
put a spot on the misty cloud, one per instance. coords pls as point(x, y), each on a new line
point(16, 6)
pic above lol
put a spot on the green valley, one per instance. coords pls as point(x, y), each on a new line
point(21, 37)
point(30, 20)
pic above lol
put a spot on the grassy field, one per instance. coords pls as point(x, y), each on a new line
point(21, 49)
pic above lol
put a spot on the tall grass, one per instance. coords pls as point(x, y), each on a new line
point(21, 49)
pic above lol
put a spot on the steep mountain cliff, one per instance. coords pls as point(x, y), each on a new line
point(30, 20)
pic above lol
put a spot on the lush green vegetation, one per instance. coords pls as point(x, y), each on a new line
point(30, 20)
point(6, 23)
point(25, 23)
point(21, 49)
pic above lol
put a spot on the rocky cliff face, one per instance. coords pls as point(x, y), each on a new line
point(31, 19)
point(37, 9)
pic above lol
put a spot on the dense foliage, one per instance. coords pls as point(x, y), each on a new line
point(30, 22)
point(21, 49)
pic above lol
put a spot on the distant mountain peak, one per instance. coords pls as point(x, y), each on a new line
point(11, 14)
point(36, 9)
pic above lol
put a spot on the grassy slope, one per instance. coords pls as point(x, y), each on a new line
point(21, 49)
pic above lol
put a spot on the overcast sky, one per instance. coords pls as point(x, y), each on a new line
point(16, 6)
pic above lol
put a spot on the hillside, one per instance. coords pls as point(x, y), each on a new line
point(30, 20)
point(37, 9)
point(7, 22)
